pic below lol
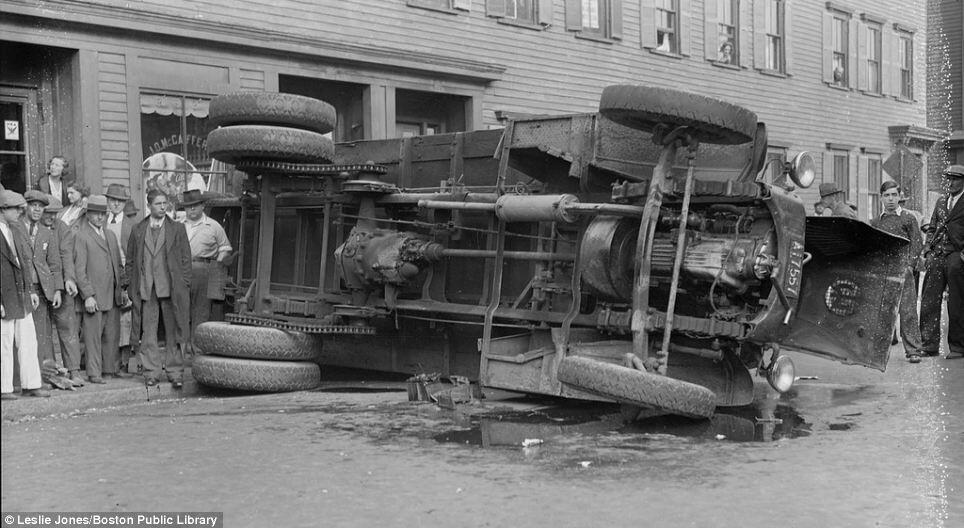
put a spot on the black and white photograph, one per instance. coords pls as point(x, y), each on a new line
point(482, 263)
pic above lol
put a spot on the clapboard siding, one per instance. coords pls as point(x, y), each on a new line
point(946, 66)
point(113, 113)
point(251, 80)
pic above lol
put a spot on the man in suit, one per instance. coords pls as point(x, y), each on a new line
point(17, 301)
point(54, 182)
point(101, 283)
point(121, 225)
point(944, 268)
point(48, 270)
point(64, 318)
point(159, 269)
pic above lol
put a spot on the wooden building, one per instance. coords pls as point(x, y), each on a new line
point(945, 79)
point(108, 83)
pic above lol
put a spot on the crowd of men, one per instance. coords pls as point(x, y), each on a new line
point(940, 258)
point(100, 279)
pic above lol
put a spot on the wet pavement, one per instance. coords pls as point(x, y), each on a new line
point(853, 447)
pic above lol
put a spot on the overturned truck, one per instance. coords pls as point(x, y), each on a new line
point(634, 255)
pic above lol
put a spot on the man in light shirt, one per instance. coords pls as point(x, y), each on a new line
point(209, 248)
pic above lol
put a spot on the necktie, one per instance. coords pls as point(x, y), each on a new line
point(113, 219)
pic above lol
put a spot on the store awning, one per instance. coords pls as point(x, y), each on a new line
point(173, 104)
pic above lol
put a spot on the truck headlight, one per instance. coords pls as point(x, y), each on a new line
point(781, 374)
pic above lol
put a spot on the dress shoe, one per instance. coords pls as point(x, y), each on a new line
point(121, 374)
point(97, 381)
point(913, 358)
point(36, 393)
point(930, 353)
point(76, 380)
point(177, 384)
point(8, 396)
point(150, 382)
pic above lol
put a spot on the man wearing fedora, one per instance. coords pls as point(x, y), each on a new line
point(63, 317)
point(944, 268)
point(48, 270)
point(17, 302)
point(121, 225)
point(832, 199)
point(209, 248)
point(159, 268)
point(101, 284)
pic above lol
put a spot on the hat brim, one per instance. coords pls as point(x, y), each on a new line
point(116, 197)
point(192, 202)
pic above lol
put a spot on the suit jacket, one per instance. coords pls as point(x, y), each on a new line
point(127, 226)
point(65, 243)
point(177, 252)
point(97, 266)
point(947, 227)
point(43, 185)
point(15, 276)
point(47, 261)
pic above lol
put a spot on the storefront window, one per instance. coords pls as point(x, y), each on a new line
point(174, 130)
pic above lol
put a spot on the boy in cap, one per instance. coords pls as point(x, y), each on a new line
point(17, 302)
point(944, 268)
point(101, 283)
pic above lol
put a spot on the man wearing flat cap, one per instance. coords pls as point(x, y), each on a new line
point(48, 270)
point(17, 302)
point(832, 199)
point(63, 318)
point(944, 268)
point(101, 284)
point(209, 247)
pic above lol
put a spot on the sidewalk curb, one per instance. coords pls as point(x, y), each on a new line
point(117, 392)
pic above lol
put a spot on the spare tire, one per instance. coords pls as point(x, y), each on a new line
point(256, 342)
point(271, 108)
point(255, 375)
point(646, 389)
point(644, 107)
point(259, 142)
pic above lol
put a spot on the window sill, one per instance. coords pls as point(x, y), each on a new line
point(668, 54)
point(449, 11)
point(837, 87)
point(525, 25)
point(773, 73)
point(726, 65)
point(595, 37)
point(872, 94)
point(904, 100)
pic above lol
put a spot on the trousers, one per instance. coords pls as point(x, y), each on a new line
point(19, 332)
point(909, 325)
point(149, 353)
point(101, 331)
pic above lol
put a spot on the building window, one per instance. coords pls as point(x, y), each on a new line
point(837, 170)
point(428, 113)
point(775, 42)
point(534, 14)
point(667, 26)
point(174, 131)
point(905, 63)
point(874, 179)
point(840, 49)
point(874, 59)
point(728, 31)
point(449, 6)
point(521, 11)
point(593, 19)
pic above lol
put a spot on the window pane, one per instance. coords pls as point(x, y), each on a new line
point(590, 14)
point(725, 11)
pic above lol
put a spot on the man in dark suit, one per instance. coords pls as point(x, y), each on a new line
point(944, 268)
point(48, 270)
point(17, 301)
point(100, 281)
point(159, 269)
point(121, 225)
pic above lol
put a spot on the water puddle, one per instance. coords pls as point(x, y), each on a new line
point(754, 423)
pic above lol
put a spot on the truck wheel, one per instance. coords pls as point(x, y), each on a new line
point(626, 385)
point(644, 107)
point(256, 342)
point(255, 375)
point(260, 142)
point(269, 108)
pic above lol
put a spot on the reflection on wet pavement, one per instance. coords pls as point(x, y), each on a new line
point(761, 422)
